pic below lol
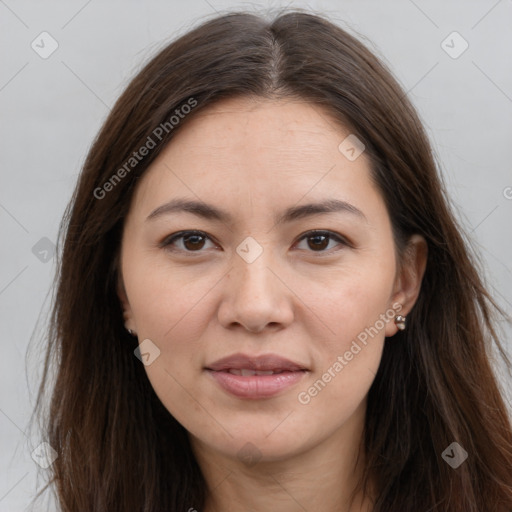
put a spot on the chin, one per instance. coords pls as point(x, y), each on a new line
point(249, 441)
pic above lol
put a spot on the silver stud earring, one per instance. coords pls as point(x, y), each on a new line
point(130, 331)
point(400, 322)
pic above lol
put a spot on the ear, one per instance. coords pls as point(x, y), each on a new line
point(409, 278)
point(125, 304)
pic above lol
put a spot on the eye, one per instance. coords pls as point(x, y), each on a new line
point(319, 240)
point(191, 241)
point(194, 241)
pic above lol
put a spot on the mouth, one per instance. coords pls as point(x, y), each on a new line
point(249, 373)
point(255, 377)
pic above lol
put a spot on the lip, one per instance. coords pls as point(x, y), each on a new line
point(262, 363)
point(256, 386)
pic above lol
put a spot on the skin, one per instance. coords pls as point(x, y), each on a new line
point(254, 158)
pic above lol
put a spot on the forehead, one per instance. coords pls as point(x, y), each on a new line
point(270, 151)
point(241, 125)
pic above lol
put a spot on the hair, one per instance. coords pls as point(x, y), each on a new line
point(118, 447)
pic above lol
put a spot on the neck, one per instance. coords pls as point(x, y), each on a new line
point(322, 478)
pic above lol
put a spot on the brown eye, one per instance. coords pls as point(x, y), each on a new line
point(318, 241)
point(195, 241)
point(191, 241)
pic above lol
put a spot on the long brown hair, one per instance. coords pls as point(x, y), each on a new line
point(119, 448)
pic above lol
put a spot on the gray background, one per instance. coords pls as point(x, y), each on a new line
point(52, 108)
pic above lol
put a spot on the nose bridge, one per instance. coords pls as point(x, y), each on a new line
point(255, 296)
point(251, 265)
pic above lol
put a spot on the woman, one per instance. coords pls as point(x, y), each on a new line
point(264, 299)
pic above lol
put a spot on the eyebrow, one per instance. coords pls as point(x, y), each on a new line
point(210, 212)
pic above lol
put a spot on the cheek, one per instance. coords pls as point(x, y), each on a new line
point(170, 309)
point(345, 362)
point(356, 309)
point(167, 302)
point(353, 302)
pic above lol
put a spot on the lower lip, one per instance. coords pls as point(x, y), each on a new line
point(256, 386)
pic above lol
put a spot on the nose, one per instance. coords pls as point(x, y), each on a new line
point(255, 296)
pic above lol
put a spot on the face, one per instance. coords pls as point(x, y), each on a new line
point(302, 298)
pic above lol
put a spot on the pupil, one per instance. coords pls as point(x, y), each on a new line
point(194, 242)
point(323, 244)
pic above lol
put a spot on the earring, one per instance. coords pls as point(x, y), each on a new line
point(400, 322)
point(131, 332)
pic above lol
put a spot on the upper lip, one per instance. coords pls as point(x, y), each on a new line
point(261, 363)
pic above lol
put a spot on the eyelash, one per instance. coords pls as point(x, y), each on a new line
point(168, 241)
